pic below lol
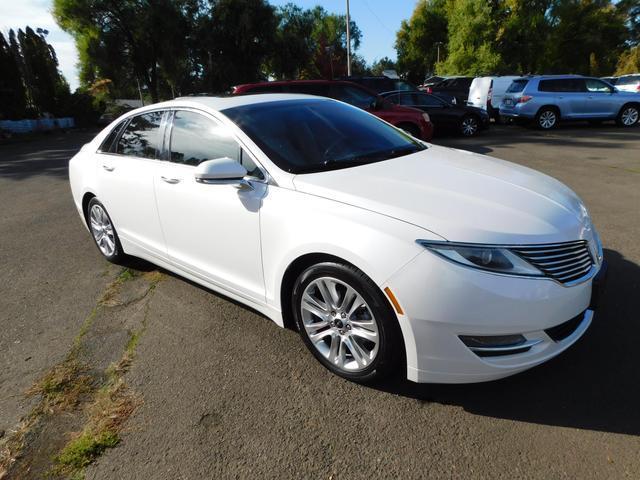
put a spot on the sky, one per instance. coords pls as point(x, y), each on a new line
point(379, 20)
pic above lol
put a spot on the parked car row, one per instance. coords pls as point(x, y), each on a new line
point(546, 100)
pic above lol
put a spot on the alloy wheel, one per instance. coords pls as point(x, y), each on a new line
point(340, 324)
point(629, 116)
point(469, 126)
point(547, 119)
point(102, 230)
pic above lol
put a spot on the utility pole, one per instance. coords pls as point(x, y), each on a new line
point(348, 42)
point(438, 45)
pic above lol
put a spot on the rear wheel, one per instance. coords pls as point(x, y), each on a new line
point(628, 116)
point(103, 232)
point(547, 118)
point(469, 125)
point(346, 322)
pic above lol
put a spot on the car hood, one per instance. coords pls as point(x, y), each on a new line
point(459, 196)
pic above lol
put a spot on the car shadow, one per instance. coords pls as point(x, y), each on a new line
point(595, 385)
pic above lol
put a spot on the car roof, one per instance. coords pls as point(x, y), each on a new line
point(224, 102)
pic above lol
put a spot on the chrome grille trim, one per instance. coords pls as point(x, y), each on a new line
point(565, 263)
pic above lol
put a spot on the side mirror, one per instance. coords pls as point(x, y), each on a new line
point(221, 171)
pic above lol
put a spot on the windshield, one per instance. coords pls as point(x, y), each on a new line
point(305, 136)
point(517, 86)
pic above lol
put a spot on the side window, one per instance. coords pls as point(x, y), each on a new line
point(427, 101)
point(310, 89)
point(266, 88)
point(406, 99)
point(352, 95)
point(597, 86)
point(395, 99)
point(196, 138)
point(141, 138)
point(548, 86)
point(107, 143)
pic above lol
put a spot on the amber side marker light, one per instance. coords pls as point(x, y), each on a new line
point(394, 301)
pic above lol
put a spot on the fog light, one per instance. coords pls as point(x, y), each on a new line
point(475, 341)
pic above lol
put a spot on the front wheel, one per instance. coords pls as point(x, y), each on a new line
point(346, 322)
point(628, 116)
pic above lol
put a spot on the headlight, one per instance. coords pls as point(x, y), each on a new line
point(493, 259)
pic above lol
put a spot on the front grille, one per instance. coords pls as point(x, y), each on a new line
point(564, 262)
point(564, 330)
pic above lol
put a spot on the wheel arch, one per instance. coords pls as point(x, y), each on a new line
point(550, 106)
point(632, 103)
point(291, 273)
point(86, 198)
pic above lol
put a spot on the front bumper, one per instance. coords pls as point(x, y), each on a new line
point(454, 301)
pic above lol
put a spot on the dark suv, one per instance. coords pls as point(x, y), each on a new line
point(457, 87)
point(415, 122)
point(381, 84)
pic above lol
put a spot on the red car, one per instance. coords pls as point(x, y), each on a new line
point(413, 121)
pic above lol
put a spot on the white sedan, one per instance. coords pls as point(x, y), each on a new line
point(386, 253)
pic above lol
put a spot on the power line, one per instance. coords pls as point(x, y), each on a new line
point(376, 16)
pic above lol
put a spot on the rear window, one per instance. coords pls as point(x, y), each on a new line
point(630, 80)
point(517, 86)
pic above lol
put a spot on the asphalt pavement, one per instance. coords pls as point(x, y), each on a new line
point(227, 394)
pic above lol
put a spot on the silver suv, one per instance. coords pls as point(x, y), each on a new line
point(548, 99)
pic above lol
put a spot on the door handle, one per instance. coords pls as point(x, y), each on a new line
point(170, 180)
point(108, 168)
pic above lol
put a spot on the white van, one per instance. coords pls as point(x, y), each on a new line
point(487, 92)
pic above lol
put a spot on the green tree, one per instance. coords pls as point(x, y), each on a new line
point(128, 41)
point(522, 35)
point(629, 61)
point(292, 56)
point(12, 94)
point(587, 37)
point(419, 38)
point(330, 43)
point(631, 10)
point(472, 48)
point(379, 66)
point(235, 41)
point(47, 88)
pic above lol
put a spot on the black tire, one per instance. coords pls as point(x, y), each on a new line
point(390, 353)
point(547, 118)
point(411, 129)
point(469, 126)
point(629, 115)
point(117, 256)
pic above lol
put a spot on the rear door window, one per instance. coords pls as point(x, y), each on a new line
point(108, 143)
point(427, 101)
point(141, 137)
point(352, 95)
point(566, 85)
